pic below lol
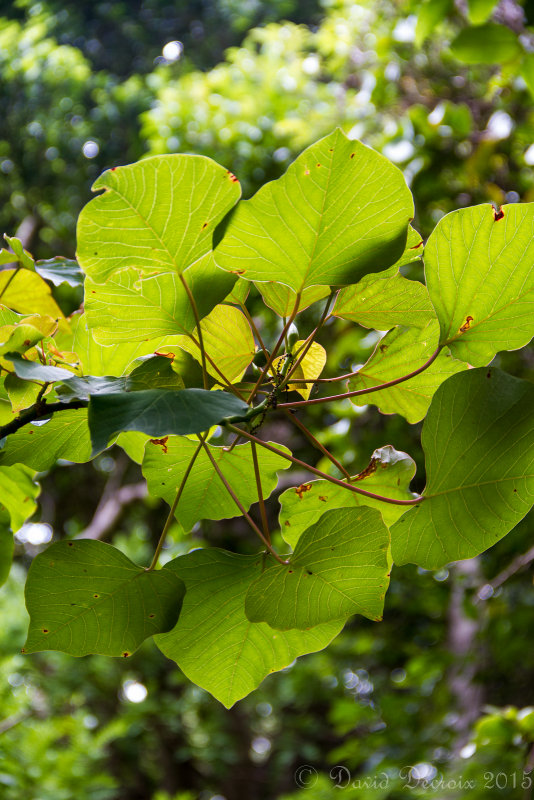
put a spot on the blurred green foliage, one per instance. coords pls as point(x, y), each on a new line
point(87, 86)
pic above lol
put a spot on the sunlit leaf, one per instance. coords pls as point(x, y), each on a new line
point(156, 215)
point(339, 568)
point(214, 643)
point(65, 436)
point(340, 211)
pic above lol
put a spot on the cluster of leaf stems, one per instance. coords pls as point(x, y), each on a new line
point(40, 409)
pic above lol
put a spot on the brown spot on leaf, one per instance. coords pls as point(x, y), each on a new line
point(126, 654)
point(151, 616)
point(383, 348)
point(287, 523)
point(70, 544)
point(45, 630)
point(22, 649)
point(304, 487)
point(27, 342)
point(231, 176)
point(113, 169)
point(309, 572)
point(352, 155)
point(370, 468)
point(238, 271)
point(417, 246)
point(96, 596)
point(162, 443)
point(165, 355)
point(317, 165)
point(322, 498)
point(31, 433)
point(467, 324)
point(205, 225)
point(498, 213)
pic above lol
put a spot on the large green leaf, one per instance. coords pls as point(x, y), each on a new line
point(400, 352)
point(388, 299)
point(156, 215)
point(340, 211)
point(340, 567)
point(6, 551)
point(480, 274)
point(127, 308)
point(478, 11)
point(86, 597)
point(214, 643)
point(388, 474)
point(158, 413)
point(486, 44)
point(478, 439)
point(18, 493)
point(39, 446)
point(205, 496)
point(228, 341)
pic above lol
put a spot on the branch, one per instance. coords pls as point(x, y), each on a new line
point(241, 507)
point(261, 501)
point(110, 509)
point(323, 475)
point(517, 564)
point(316, 443)
point(358, 392)
point(38, 411)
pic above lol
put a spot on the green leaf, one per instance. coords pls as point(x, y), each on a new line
point(400, 352)
point(431, 13)
point(282, 299)
point(86, 597)
point(154, 373)
point(127, 308)
point(22, 394)
point(27, 292)
point(384, 301)
point(6, 552)
point(388, 474)
point(340, 211)
point(204, 495)
point(228, 341)
point(33, 371)
point(60, 270)
point(23, 257)
point(158, 413)
point(486, 44)
point(65, 436)
point(478, 11)
point(214, 643)
point(339, 568)
point(527, 71)
point(310, 368)
point(480, 275)
point(18, 493)
point(156, 215)
point(478, 440)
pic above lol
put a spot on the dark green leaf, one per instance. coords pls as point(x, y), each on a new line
point(478, 439)
point(86, 597)
point(158, 413)
point(60, 270)
point(34, 371)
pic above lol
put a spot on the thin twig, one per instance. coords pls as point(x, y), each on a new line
point(261, 501)
point(323, 475)
point(170, 517)
point(316, 443)
point(303, 349)
point(358, 392)
point(254, 327)
point(240, 506)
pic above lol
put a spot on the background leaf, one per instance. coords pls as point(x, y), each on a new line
point(480, 276)
point(158, 214)
point(86, 597)
point(486, 44)
point(340, 211)
point(400, 352)
point(478, 439)
point(18, 493)
point(214, 643)
point(339, 568)
point(205, 496)
point(389, 474)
